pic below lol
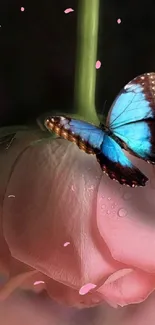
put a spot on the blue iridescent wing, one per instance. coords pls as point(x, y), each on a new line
point(93, 140)
point(132, 117)
point(115, 163)
point(86, 136)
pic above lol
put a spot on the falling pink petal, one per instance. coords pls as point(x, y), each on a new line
point(68, 10)
point(86, 288)
point(38, 282)
point(66, 244)
point(98, 64)
point(22, 9)
point(118, 21)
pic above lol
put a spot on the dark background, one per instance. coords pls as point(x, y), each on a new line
point(37, 54)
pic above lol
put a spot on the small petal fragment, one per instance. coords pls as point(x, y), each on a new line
point(68, 10)
point(86, 288)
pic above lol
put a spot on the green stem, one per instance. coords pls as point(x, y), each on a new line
point(85, 74)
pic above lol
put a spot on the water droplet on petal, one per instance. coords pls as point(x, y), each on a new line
point(109, 198)
point(103, 206)
point(122, 212)
point(91, 187)
point(86, 288)
point(127, 196)
point(108, 212)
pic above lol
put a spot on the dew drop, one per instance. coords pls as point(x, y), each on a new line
point(108, 212)
point(122, 212)
point(103, 206)
point(109, 198)
point(127, 196)
point(91, 187)
point(113, 205)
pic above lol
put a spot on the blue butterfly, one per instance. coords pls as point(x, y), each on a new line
point(130, 125)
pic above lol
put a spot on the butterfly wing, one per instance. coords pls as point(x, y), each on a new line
point(115, 163)
point(92, 139)
point(132, 117)
point(86, 136)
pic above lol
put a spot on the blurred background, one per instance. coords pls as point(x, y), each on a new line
point(37, 54)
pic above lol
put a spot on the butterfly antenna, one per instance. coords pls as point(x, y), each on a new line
point(102, 118)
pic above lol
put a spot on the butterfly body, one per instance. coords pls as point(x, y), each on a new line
point(130, 126)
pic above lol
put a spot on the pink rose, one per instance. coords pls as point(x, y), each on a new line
point(65, 225)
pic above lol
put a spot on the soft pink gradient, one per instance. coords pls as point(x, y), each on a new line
point(110, 228)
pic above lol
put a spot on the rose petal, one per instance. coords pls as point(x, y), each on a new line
point(132, 288)
point(46, 208)
point(69, 296)
point(126, 221)
point(117, 275)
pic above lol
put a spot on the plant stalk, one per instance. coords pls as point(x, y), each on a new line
point(85, 74)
